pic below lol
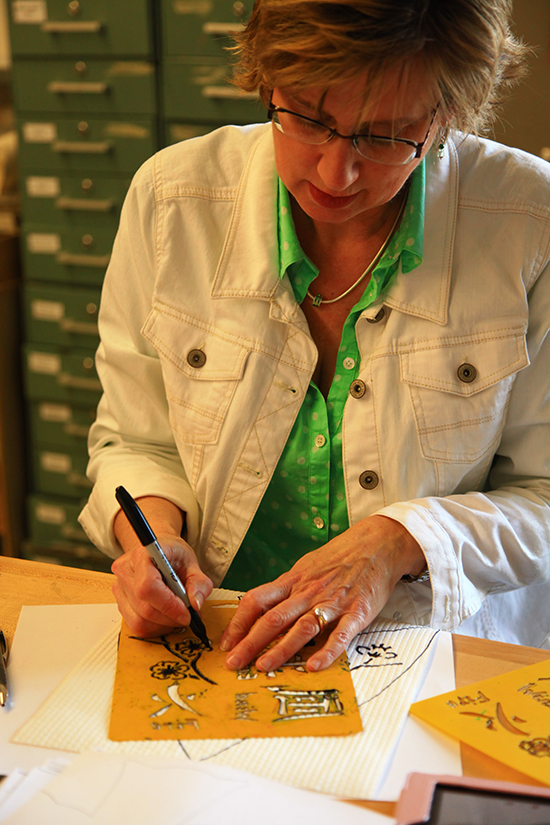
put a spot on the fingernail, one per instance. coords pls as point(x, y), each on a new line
point(233, 662)
point(199, 600)
point(265, 663)
point(314, 664)
point(225, 645)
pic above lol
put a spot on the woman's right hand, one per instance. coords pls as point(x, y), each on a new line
point(148, 606)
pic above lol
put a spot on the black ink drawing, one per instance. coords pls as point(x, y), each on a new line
point(188, 652)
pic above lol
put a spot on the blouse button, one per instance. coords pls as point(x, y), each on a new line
point(196, 358)
point(357, 388)
point(378, 317)
point(466, 373)
point(320, 440)
point(318, 522)
point(368, 480)
point(348, 363)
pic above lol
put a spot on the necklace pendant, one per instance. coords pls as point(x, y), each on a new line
point(318, 300)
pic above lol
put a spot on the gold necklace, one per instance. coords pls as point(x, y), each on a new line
point(318, 299)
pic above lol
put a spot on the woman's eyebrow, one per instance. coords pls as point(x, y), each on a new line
point(367, 127)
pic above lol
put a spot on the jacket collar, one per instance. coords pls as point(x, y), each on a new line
point(248, 266)
point(424, 292)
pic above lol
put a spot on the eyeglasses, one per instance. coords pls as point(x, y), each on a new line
point(393, 151)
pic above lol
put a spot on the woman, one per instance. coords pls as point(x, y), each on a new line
point(324, 343)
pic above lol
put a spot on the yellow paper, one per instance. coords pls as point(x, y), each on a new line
point(174, 688)
point(506, 717)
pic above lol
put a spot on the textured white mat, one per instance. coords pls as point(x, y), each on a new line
point(387, 662)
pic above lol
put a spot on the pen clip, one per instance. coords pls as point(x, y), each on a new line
point(3, 646)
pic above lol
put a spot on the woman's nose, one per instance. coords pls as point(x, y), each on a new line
point(339, 164)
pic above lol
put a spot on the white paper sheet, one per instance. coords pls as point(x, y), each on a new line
point(109, 789)
point(48, 642)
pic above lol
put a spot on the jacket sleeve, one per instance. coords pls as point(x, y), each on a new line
point(496, 540)
point(131, 441)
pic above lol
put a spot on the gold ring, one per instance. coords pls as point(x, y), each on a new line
point(321, 617)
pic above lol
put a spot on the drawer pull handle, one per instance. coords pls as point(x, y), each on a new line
point(82, 327)
point(228, 93)
point(73, 147)
point(76, 383)
point(77, 430)
point(222, 28)
point(71, 259)
point(72, 26)
point(69, 87)
point(85, 204)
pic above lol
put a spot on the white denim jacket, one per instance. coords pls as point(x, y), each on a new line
point(206, 357)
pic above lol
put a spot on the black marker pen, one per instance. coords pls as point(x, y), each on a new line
point(149, 541)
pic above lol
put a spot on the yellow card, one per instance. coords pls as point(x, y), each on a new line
point(506, 717)
point(174, 688)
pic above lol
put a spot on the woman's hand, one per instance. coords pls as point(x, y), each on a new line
point(350, 578)
point(148, 606)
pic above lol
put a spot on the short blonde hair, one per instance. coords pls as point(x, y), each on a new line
point(465, 45)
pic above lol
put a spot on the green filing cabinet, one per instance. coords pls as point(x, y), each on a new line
point(197, 92)
point(82, 27)
point(63, 424)
point(201, 28)
point(73, 200)
point(90, 110)
point(209, 95)
point(85, 145)
point(61, 315)
point(66, 254)
point(54, 373)
point(90, 86)
point(54, 534)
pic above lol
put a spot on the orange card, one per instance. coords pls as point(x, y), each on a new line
point(173, 687)
point(506, 717)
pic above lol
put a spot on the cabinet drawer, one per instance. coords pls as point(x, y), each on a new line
point(80, 27)
point(91, 86)
point(73, 201)
point(62, 424)
point(66, 254)
point(55, 519)
point(54, 374)
point(201, 27)
point(61, 315)
point(84, 145)
point(60, 472)
point(199, 89)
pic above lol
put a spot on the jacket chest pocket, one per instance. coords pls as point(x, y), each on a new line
point(460, 393)
point(201, 368)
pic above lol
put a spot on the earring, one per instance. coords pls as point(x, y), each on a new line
point(442, 141)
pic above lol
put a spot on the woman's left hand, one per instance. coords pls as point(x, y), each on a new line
point(350, 578)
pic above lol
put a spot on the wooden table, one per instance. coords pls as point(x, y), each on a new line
point(27, 582)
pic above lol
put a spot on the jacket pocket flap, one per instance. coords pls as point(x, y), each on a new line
point(200, 352)
point(465, 367)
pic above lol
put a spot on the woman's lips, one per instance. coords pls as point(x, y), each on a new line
point(329, 201)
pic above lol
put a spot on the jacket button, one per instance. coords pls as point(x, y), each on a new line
point(357, 388)
point(196, 358)
point(378, 317)
point(368, 480)
point(466, 373)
